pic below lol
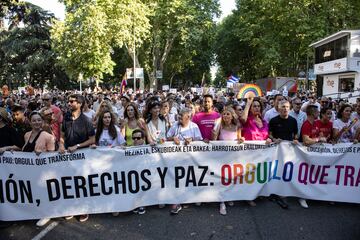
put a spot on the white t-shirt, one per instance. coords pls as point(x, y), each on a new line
point(271, 114)
point(357, 124)
point(90, 114)
point(304, 106)
point(300, 119)
point(191, 131)
point(159, 132)
point(106, 140)
point(346, 136)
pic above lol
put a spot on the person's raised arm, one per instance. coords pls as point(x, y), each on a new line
point(245, 114)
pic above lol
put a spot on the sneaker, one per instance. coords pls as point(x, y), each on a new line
point(251, 203)
point(303, 203)
point(115, 214)
point(161, 205)
point(222, 209)
point(231, 203)
point(175, 209)
point(42, 222)
point(68, 217)
point(84, 218)
point(141, 210)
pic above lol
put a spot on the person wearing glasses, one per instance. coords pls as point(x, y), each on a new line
point(57, 115)
point(311, 101)
point(77, 132)
point(138, 137)
point(296, 113)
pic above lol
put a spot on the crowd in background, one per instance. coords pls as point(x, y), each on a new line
point(68, 121)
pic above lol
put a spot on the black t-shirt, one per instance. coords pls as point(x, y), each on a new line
point(10, 137)
point(77, 131)
point(285, 129)
point(22, 128)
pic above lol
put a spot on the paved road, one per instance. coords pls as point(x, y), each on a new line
point(265, 221)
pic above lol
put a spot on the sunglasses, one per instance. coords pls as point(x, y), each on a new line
point(46, 99)
point(297, 103)
point(71, 101)
point(137, 138)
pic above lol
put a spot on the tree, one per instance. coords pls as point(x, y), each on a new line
point(175, 22)
point(92, 29)
point(274, 36)
point(27, 57)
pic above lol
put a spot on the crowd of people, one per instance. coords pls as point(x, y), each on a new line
point(68, 121)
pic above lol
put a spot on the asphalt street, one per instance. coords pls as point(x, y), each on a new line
point(265, 221)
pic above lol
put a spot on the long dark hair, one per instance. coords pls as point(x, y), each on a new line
point(100, 126)
point(147, 112)
point(342, 109)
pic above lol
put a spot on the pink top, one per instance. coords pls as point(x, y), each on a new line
point(206, 122)
point(227, 135)
point(251, 131)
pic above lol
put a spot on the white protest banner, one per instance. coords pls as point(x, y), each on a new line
point(112, 179)
point(173, 90)
point(165, 87)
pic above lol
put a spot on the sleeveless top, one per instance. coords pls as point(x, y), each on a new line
point(227, 135)
point(128, 135)
point(30, 146)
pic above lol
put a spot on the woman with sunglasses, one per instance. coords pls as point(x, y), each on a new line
point(38, 141)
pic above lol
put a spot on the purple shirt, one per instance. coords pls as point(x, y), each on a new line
point(206, 122)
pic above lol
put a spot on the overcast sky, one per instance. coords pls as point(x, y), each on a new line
point(59, 10)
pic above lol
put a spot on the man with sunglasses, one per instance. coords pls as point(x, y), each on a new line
point(57, 115)
point(311, 101)
point(296, 113)
point(138, 137)
point(76, 132)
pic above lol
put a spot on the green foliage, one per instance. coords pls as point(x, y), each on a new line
point(177, 29)
point(26, 55)
point(92, 29)
point(271, 38)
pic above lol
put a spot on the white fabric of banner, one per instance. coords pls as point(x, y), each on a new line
point(115, 180)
